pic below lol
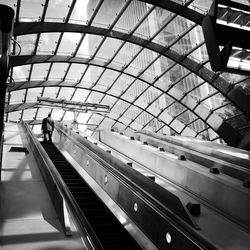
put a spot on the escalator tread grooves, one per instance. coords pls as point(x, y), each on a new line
point(108, 229)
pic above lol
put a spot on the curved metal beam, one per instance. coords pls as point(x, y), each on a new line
point(36, 84)
point(24, 106)
point(233, 93)
point(229, 134)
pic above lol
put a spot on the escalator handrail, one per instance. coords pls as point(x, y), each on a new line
point(79, 218)
point(138, 183)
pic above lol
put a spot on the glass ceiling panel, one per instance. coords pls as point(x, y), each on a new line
point(43, 112)
point(82, 11)
point(94, 97)
point(17, 96)
point(75, 72)
point(146, 29)
point(29, 114)
point(120, 107)
point(69, 43)
point(187, 42)
point(89, 45)
point(66, 93)
point(58, 71)
point(51, 92)
point(131, 16)
point(190, 82)
point(132, 112)
point(137, 88)
point(93, 73)
point(176, 27)
point(27, 43)
point(200, 55)
point(107, 13)
point(57, 10)
point(33, 93)
point(80, 94)
point(57, 114)
point(47, 43)
point(99, 87)
point(68, 116)
point(37, 8)
point(39, 71)
point(109, 100)
point(108, 77)
point(151, 72)
point(141, 61)
point(14, 116)
point(123, 82)
point(109, 48)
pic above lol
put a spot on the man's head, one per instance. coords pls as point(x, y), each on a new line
point(49, 115)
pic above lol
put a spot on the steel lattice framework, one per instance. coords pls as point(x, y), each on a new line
point(147, 60)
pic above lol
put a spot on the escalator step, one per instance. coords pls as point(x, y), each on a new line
point(108, 229)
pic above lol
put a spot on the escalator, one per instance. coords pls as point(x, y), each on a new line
point(109, 231)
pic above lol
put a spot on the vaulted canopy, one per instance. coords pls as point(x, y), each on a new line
point(146, 60)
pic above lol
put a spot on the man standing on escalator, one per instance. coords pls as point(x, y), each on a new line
point(47, 128)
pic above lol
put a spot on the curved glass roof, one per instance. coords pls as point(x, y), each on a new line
point(146, 60)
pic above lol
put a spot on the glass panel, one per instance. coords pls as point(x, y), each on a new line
point(109, 100)
point(50, 92)
point(14, 116)
point(29, 114)
point(141, 61)
point(177, 26)
point(58, 71)
point(108, 77)
point(32, 94)
point(82, 11)
point(47, 43)
point(186, 43)
point(57, 114)
point(146, 29)
point(188, 83)
point(39, 71)
point(26, 15)
point(140, 102)
point(107, 123)
point(17, 96)
point(107, 12)
point(66, 93)
point(123, 82)
point(75, 72)
point(137, 88)
point(150, 74)
point(126, 54)
point(95, 97)
point(42, 113)
point(27, 43)
point(200, 54)
point(120, 107)
point(57, 10)
point(109, 48)
point(93, 73)
point(132, 112)
point(154, 109)
point(80, 95)
point(89, 45)
point(68, 43)
point(131, 16)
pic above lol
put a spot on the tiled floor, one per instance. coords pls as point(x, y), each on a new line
point(27, 217)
